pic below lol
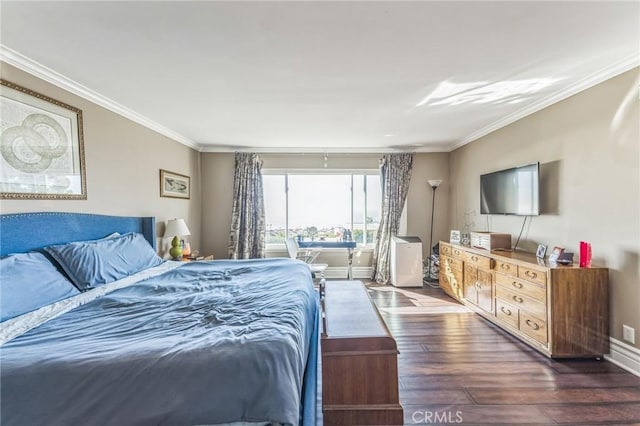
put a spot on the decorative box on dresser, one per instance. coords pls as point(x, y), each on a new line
point(562, 311)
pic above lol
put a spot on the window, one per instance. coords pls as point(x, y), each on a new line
point(322, 206)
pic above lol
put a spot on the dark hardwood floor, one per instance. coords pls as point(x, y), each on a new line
point(456, 368)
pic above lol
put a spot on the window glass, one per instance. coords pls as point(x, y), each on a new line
point(319, 206)
point(325, 207)
point(359, 209)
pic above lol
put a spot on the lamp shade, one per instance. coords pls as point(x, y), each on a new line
point(176, 227)
point(435, 182)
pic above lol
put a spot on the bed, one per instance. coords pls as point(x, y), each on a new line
point(177, 343)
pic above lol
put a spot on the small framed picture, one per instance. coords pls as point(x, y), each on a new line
point(454, 237)
point(542, 250)
point(555, 254)
point(174, 185)
point(566, 258)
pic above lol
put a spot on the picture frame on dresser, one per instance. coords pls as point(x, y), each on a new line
point(542, 250)
point(42, 147)
point(555, 254)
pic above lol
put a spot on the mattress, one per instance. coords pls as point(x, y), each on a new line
point(205, 343)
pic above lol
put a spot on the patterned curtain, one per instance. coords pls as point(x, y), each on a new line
point(247, 236)
point(395, 174)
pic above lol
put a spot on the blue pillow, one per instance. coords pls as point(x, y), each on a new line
point(28, 282)
point(93, 263)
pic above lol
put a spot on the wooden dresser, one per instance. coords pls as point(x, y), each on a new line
point(563, 311)
point(359, 360)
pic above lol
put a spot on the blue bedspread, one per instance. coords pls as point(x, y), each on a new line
point(206, 343)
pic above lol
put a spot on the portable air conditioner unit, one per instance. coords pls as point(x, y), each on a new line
point(406, 262)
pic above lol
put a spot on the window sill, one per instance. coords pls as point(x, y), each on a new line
point(274, 248)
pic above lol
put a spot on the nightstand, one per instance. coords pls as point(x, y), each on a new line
point(191, 259)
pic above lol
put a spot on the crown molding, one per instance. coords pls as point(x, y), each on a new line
point(306, 150)
point(36, 69)
point(584, 84)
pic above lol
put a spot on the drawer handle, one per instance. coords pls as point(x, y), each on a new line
point(505, 310)
point(517, 299)
point(532, 325)
point(516, 284)
point(505, 266)
point(474, 258)
point(456, 252)
point(531, 274)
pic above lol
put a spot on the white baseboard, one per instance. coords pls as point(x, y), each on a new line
point(340, 272)
point(624, 356)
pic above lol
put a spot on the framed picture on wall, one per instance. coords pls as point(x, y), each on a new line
point(174, 185)
point(42, 147)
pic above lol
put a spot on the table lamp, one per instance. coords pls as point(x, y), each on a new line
point(177, 228)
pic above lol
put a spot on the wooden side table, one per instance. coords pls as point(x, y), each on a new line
point(191, 259)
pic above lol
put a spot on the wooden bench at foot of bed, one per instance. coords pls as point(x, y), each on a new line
point(359, 360)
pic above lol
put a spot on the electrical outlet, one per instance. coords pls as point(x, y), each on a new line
point(629, 334)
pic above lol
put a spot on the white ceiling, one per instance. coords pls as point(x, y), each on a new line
point(323, 76)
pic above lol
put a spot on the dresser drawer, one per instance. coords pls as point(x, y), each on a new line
point(445, 284)
point(507, 313)
point(456, 252)
point(522, 302)
point(451, 263)
point(477, 260)
point(527, 288)
point(533, 327)
point(451, 282)
point(532, 274)
point(456, 283)
point(445, 250)
point(507, 268)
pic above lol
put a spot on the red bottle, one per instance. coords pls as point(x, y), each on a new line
point(585, 254)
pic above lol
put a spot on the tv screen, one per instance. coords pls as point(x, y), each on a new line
point(512, 191)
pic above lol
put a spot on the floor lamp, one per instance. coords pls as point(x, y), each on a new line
point(434, 183)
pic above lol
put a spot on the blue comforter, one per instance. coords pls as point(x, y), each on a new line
point(206, 343)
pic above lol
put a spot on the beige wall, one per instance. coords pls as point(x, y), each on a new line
point(217, 178)
point(429, 166)
point(217, 201)
point(588, 145)
point(123, 160)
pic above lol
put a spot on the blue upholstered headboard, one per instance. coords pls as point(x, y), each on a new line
point(23, 232)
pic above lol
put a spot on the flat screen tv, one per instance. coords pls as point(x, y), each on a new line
point(511, 191)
